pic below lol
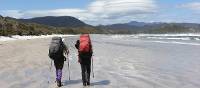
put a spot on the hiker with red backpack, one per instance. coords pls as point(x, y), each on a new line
point(56, 50)
point(85, 52)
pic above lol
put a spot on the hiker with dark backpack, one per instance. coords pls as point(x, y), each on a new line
point(57, 49)
point(84, 47)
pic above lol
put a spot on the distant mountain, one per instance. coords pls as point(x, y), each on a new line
point(138, 24)
point(118, 28)
point(61, 21)
point(71, 25)
point(157, 27)
point(12, 26)
point(131, 27)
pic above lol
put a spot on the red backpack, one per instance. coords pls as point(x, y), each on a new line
point(85, 43)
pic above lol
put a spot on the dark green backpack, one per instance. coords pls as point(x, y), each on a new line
point(55, 48)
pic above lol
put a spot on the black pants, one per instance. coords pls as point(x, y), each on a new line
point(85, 61)
point(59, 67)
point(58, 64)
point(86, 69)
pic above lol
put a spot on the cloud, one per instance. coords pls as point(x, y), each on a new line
point(112, 7)
point(121, 9)
point(192, 6)
point(97, 12)
point(55, 12)
point(118, 11)
point(12, 13)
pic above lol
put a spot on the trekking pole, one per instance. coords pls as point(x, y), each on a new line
point(50, 72)
point(68, 67)
point(92, 68)
point(51, 65)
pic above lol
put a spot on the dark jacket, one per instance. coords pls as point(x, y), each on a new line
point(84, 57)
point(61, 57)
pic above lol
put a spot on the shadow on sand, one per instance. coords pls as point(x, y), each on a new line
point(71, 82)
point(103, 82)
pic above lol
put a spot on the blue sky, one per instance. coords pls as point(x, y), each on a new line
point(97, 12)
point(42, 4)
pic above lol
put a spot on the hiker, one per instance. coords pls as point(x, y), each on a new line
point(57, 50)
point(85, 52)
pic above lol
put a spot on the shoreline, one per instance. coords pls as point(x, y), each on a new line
point(17, 37)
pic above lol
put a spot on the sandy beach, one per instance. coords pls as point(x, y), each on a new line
point(23, 63)
point(119, 62)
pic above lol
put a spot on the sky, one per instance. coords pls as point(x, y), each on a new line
point(96, 12)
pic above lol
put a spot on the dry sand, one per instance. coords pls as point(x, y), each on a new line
point(23, 63)
point(120, 62)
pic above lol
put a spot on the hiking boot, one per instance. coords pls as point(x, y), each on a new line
point(88, 83)
point(84, 84)
point(59, 83)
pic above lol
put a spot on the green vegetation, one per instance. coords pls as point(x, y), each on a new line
point(169, 28)
point(151, 28)
point(10, 27)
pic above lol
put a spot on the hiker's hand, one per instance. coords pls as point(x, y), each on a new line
point(67, 52)
point(64, 58)
point(79, 60)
